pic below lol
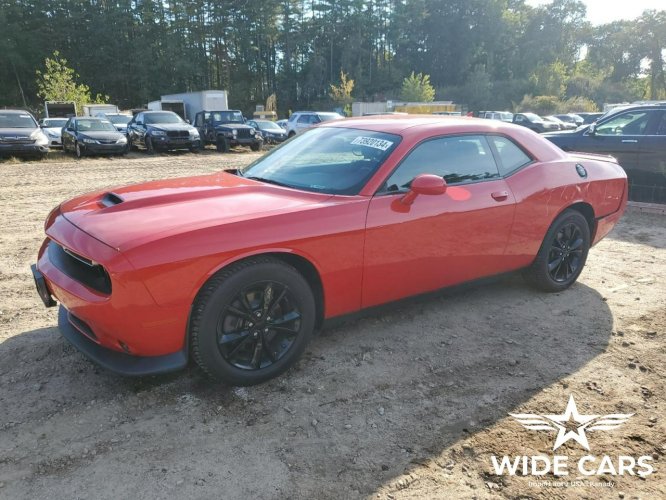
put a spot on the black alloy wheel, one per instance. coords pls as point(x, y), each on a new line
point(563, 253)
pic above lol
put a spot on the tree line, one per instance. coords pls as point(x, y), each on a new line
point(487, 54)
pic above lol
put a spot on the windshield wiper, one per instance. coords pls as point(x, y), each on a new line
point(269, 181)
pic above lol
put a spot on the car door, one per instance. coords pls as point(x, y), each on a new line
point(65, 135)
point(649, 179)
point(303, 123)
point(620, 136)
point(438, 240)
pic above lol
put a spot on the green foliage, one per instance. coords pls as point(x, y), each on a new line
point(550, 104)
point(417, 88)
point(341, 94)
point(550, 79)
point(58, 83)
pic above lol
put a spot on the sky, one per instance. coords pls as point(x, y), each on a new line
point(606, 11)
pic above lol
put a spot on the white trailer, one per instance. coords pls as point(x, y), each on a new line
point(96, 109)
point(59, 109)
point(175, 105)
point(205, 100)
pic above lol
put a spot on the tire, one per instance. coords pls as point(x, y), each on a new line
point(562, 255)
point(130, 146)
point(291, 134)
point(222, 145)
point(255, 147)
point(77, 150)
point(233, 337)
point(150, 149)
point(195, 149)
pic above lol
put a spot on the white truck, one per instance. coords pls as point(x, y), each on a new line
point(59, 109)
point(174, 105)
point(194, 102)
point(96, 109)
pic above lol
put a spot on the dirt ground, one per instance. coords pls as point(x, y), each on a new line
point(410, 401)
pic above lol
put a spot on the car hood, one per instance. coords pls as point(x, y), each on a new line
point(16, 132)
point(232, 125)
point(53, 130)
point(127, 217)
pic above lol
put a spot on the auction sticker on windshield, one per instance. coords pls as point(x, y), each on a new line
point(371, 142)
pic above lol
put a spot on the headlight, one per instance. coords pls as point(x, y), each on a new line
point(252, 131)
point(122, 140)
point(40, 138)
point(157, 132)
point(89, 141)
point(53, 134)
point(194, 133)
point(234, 131)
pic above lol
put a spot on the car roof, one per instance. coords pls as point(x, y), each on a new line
point(15, 111)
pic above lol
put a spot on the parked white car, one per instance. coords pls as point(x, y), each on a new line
point(52, 128)
point(119, 120)
point(303, 120)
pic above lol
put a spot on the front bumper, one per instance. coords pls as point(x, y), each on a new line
point(165, 142)
point(103, 148)
point(243, 141)
point(117, 362)
point(23, 149)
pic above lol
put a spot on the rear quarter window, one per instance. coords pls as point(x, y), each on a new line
point(511, 156)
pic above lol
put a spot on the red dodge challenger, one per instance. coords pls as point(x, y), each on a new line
point(237, 269)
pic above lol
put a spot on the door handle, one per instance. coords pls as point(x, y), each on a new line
point(632, 141)
point(500, 195)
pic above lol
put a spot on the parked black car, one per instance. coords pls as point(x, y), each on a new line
point(534, 122)
point(89, 136)
point(271, 132)
point(636, 136)
point(226, 129)
point(162, 130)
point(20, 135)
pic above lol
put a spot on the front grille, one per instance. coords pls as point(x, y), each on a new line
point(79, 268)
point(107, 141)
point(178, 133)
point(17, 140)
point(243, 133)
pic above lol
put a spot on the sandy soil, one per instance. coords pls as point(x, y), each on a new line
point(409, 401)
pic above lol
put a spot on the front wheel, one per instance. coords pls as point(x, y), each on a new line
point(255, 147)
point(150, 148)
point(252, 321)
point(562, 254)
point(222, 145)
point(77, 150)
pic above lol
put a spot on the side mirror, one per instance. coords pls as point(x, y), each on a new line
point(427, 184)
point(593, 129)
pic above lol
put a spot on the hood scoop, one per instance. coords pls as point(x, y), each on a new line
point(110, 199)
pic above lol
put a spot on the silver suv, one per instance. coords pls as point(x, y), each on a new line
point(300, 121)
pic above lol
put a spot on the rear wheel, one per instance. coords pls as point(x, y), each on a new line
point(562, 255)
point(252, 321)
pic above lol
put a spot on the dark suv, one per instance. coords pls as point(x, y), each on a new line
point(20, 135)
point(636, 136)
point(226, 129)
point(161, 130)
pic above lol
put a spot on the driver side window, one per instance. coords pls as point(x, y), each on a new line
point(458, 159)
point(631, 123)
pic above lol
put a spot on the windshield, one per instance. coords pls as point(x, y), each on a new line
point(55, 122)
point(17, 120)
point(269, 126)
point(95, 126)
point(119, 119)
point(329, 116)
point(163, 117)
point(326, 160)
point(227, 117)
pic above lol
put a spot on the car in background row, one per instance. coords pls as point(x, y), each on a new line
point(89, 136)
point(20, 135)
point(636, 136)
point(301, 121)
point(226, 129)
point(282, 124)
point(589, 117)
point(119, 120)
point(560, 123)
point(571, 118)
point(535, 123)
point(271, 132)
point(162, 131)
point(52, 127)
point(504, 116)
